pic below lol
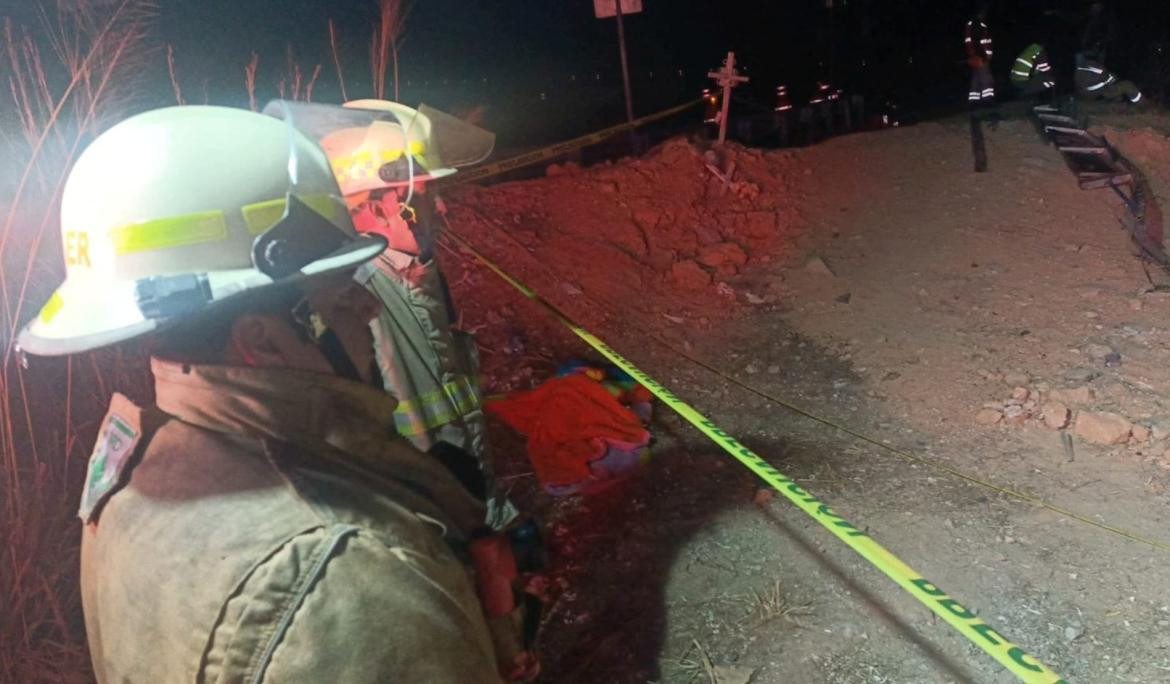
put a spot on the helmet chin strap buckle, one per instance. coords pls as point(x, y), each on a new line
point(407, 212)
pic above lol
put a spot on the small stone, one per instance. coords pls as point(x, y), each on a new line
point(818, 266)
point(1160, 430)
point(988, 417)
point(1055, 415)
point(1097, 352)
point(1021, 393)
point(1075, 396)
point(1103, 428)
point(1073, 632)
point(763, 496)
point(1140, 434)
point(1016, 379)
point(1015, 415)
point(1081, 374)
point(733, 674)
point(689, 275)
point(1113, 359)
point(722, 253)
point(751, 369)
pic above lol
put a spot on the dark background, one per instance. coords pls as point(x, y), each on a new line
point(547, 69)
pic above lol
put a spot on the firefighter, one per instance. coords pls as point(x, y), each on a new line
point(384, 155)
point(711, 112)
point(257, 522)
point(820, 110)
point(783, 101)
point(782, 113)
point(824, 92)
point(1031, 73)
point(978, 45)
point(1094, 81)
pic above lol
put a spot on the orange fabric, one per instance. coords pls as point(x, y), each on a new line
point(568, 422)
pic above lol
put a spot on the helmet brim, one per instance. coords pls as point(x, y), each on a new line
point(81, 317)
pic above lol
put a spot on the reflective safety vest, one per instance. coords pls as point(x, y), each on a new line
point(1093, 76)
point(783, 102)
point(1033, 63)
point(824, 93)
point(977, 40)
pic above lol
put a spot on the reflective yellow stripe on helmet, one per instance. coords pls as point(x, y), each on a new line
point(164, 233)
point(52, 307)
point(363, 164)
point(208, 226)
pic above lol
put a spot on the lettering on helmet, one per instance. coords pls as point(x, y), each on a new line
point(77, 249)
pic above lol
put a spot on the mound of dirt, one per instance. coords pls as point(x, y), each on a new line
point(657, 229)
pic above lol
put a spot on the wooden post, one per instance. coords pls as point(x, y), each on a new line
point(978, 148)
point(727, 78)
point(625, 66)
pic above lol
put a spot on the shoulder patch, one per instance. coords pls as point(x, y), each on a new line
point(120, 433)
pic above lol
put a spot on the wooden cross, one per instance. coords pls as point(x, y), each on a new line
point(726, 78)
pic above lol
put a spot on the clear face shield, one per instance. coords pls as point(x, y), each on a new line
point(386, 145)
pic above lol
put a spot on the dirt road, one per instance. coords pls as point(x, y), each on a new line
point(996, 323)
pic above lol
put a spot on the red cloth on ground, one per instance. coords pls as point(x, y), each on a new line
point(569, 422)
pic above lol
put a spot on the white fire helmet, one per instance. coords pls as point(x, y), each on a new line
point(375, 144)
point(173, 212)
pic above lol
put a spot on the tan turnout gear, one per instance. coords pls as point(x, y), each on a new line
point(256, 525)
point(427, 364)
point(268, 531)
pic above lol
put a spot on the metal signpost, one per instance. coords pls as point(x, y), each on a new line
point(727, 78)
point(604, 9)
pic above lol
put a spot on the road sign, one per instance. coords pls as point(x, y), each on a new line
point(605, 9)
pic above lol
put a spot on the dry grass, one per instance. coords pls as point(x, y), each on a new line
point(387, 40)
point(771, 604)
point(65, 80)
point(63, 87)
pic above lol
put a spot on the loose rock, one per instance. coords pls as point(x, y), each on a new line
point(689, 275)
point(1103, 428)
point(722, 253)
point(988, 417)
point(1055, 416)
point(1076, 396)
point(817, 265)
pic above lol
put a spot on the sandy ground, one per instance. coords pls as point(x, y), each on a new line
point(894, 291)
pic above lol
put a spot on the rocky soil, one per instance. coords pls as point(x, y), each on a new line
point(997, 325)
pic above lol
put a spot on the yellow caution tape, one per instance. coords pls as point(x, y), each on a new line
point(553, 151)
point(1020, 663)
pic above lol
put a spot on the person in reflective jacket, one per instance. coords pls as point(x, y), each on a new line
point(258, 521)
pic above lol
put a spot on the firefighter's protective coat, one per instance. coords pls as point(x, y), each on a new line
point(265, 529)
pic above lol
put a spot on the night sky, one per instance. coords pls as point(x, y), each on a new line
point(535, 60)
